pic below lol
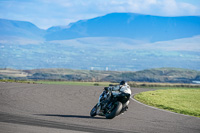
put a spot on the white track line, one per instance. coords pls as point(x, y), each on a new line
point(158, 108)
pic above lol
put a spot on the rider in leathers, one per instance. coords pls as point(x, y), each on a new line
point(123, 89)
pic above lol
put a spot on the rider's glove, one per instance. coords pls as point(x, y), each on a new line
point(107, 89)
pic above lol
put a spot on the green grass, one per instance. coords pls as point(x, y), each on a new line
point(165, 88)
point(162, 85)
point(60, 82)
point(17, 81)
point(75, 83)
point(183, 101)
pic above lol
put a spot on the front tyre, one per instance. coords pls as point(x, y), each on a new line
point(93, 112)
point(115, 111)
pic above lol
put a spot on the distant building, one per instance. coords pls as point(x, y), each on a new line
point(92, 68)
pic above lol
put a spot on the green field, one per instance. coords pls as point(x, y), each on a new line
point(61, 82)
point(183, 101)
point(76, 83)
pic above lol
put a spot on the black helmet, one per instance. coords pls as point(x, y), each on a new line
point(122, 82)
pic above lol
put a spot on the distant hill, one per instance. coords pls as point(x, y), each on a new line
point(130, 25)
point(20, 29)
point(171, 75)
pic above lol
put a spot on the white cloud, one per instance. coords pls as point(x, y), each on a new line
point(154, 7)
point(173, 8)
point(189, 8)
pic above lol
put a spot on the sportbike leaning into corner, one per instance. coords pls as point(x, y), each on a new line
point(113, 101)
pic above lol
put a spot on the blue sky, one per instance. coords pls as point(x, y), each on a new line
point(47, 13)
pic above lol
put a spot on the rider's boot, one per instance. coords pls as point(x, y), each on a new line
point(124, 109)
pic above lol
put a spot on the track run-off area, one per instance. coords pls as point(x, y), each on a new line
point(40, 108)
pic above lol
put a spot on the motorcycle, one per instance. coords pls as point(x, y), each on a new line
point(110, 105)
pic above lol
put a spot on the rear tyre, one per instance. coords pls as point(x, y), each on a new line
point(116, 111)
point(93, 111)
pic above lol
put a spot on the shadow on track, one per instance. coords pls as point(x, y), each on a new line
point(22, 120)
point(71, 116)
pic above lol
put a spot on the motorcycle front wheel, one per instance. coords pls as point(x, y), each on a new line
point(115, 111)
point(93, 112)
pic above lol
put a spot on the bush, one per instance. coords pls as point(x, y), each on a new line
point(96, 84)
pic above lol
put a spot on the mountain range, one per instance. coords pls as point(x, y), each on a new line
point(128, 25)
point(136, 41)
point(125, 25)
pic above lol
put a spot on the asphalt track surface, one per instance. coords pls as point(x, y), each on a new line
point(38, 108)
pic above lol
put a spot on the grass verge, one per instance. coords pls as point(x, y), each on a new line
point(75, 83)
point(162, 85)
point(183, 101)
point(61, 82)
